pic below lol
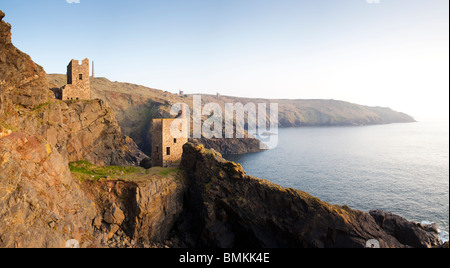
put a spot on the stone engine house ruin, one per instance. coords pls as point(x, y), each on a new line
point(167, 150)
point(78, 85)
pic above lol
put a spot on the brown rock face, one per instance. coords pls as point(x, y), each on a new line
point(80, 130)
point(20, 77)
point(159, 205)
point(77, 129)
point(40, 204)
point(5, 30)
point(94, 135)
point(135, 214)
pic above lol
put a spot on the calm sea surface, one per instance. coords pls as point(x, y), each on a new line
point(400, 168)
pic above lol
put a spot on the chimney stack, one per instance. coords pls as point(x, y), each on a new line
point(183, 111)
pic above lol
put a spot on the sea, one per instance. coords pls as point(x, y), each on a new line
point(399, 168)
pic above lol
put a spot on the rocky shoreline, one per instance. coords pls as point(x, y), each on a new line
point(209, 203)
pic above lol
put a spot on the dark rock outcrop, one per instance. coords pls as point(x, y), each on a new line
point(225, 208)
point(409, 233)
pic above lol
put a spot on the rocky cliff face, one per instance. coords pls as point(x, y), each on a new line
point(215, 205)
point(21, 80)
point(232, 146)
point(226, 208)
point(94, 135)
point(78, 130)
point(414, 234)
point(135, 214)
point(40, 204)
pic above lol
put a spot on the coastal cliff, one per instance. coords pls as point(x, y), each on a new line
point(78, 130)
point(226, 208)
point(21, 80)
point(135, 106)
point(45, 204)
point(84, 129)
point(209, 203)
point(233, 145)
point(40, 204)
point(45, 201)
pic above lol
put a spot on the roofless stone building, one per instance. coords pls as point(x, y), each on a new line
point(78, 84)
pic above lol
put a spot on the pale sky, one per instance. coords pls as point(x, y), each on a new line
point(394, 54)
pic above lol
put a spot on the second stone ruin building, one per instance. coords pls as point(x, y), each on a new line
point(167, 149)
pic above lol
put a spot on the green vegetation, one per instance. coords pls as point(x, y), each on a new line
point(97, 172)
point(84, 101)
point(167, 171)
point(8, 127)
point(42, 106)
point(84, 170)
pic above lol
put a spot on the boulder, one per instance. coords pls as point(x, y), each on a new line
point(146, 163)
point(114, 215)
